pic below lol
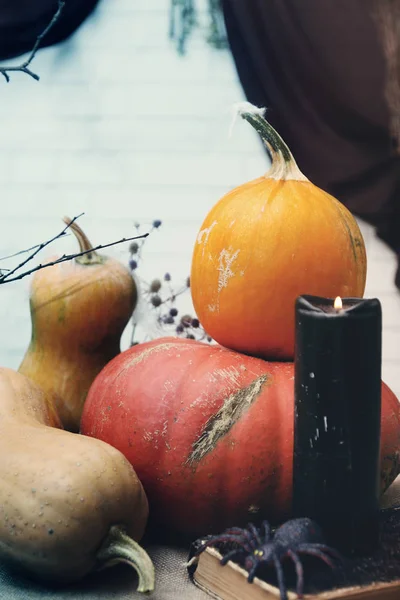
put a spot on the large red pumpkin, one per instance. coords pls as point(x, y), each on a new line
point(209, 431)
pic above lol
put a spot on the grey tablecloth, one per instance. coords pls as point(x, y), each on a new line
point(172, 581)
point(119, 583)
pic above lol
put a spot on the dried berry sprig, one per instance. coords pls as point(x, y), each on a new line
point(184, 19)
point(191, 328)
point(160, 296)
point(135, 249)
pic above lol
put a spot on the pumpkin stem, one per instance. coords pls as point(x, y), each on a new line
point(119, 547)
point(283, 165)
point(90, 258)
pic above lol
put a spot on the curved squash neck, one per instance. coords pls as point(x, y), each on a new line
point(119, 547)
point(90, 257)
point(283, 166)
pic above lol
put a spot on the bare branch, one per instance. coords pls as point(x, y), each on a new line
point(7, 276)
point(37, 249)
point(24, 67)
point(18, 253)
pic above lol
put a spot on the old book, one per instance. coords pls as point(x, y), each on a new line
point(373, 578)
point(229, 582)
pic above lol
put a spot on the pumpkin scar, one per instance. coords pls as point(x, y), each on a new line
point(220, 424)
point(226, 259)
point(230, 373)
point(205, 233)
point(138, 358)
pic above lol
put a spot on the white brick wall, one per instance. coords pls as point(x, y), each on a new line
point(124, 129)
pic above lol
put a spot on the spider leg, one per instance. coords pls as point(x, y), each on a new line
point(252, 572)
point(267, 530)
point(280, 576)
point(235, 531)
point(299, 572)
point(225, 538)
point(327, 550)
point(255, 536)
point(317, 552)
point(231, 555)
point(250, 534)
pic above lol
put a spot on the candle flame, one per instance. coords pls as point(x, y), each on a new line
point(338, 304)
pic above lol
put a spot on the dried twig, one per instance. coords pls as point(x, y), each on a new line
point(24, 67)
point(7, 276)
point(37, 249)
point(18, 253)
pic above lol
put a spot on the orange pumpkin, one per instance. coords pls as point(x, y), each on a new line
point(267, 242)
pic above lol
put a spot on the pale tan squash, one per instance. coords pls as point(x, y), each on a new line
point(69, 504)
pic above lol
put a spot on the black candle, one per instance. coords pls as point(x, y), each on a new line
point(336, 468)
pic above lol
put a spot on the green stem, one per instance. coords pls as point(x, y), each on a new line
point(284, 167)
point(119, 547)
point(269, 135)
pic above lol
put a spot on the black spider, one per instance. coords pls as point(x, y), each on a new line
point(259, 546)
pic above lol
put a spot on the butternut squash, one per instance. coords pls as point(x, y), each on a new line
point(79, 310)
point(69, 504)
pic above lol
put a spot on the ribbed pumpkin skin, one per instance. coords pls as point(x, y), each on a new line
point(260, 247)
point(78, 314)
point(209, 431)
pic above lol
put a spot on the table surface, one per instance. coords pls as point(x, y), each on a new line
point(172, 582)
point(119, 583)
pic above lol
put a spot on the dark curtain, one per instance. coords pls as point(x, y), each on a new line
point(21, 21)
point(320, 69)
